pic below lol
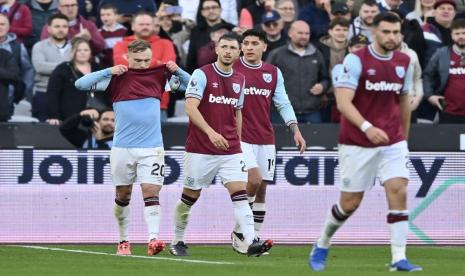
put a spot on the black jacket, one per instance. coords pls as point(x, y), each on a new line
point(9, 74)
point(63, 98)
point(77, 133)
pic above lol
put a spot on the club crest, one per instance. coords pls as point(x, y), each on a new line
point(236, 88)
point(400, 71)
point(267, 77)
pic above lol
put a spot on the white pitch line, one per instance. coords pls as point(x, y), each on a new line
point(129, 256)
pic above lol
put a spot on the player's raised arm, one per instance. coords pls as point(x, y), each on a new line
point(99, 80)
point(345, 93)
point(285, 109)
point(194, 94)
point(180, 80)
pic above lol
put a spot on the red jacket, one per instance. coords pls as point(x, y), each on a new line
point(97, 43)
point(162, 52)
point(20, 19)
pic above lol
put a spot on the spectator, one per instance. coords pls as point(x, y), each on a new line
point(190, 9)
point(444, 77)
point(437, 28)
point(389, 5)
point(305, 74)
point(287, 11)
point(41, 10)
point(9, 75)
point(78, 26)
point(253, 11)
point(128, 8)
point(273, 25)
point(9, 42)
point(90, 129)
point(177, 28)
point(111, 31)
point(341, 10)
point(416, 91)
point(207, 54)
point(46, 55)
point(210, 10)
point(423, 10)
point(20, 18)
point(334, 48)
point(63, 98)
point(143, 28)
point(363, 23)
point(316, 14)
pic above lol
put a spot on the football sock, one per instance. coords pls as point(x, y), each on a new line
point(243, 215)
point(250, 199)
point(259, 211)
point(181, 217)
point(121, 212)
point(152, 213)
point(398, 227)
point(335, 218)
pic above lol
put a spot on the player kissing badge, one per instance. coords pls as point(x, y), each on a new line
point(400, 71)
point(267, 77)
point(236, 88)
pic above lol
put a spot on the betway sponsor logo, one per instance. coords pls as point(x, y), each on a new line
point(383, 86)
point(257, 91)
point(457, 71)
point(222, 100)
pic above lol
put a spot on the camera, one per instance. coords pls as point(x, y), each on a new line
point(87, 122)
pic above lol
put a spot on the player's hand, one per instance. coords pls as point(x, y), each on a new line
point(218, 140)
point(119, 69)
point(317, 89)
point(300, 141)
point(434, 100)
point(53, 122)
point(172, 66)
point(414, 103)
point(377, 136)
point(92, 113)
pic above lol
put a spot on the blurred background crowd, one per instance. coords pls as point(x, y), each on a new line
point(45, 45)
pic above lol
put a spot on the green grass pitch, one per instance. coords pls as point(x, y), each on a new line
point(219, 260)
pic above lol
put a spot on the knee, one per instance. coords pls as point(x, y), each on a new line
point(123, 194)
point(255, 181)
point(350, 206)
point(261, 194)
point(151, 190)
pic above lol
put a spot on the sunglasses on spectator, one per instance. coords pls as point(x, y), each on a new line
point(211, 8)
point(271, 24)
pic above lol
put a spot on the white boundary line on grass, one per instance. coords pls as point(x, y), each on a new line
point(129, 256)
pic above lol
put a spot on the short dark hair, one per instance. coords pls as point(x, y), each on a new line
point(203, 1)
point(339, 21)
point(257, 33)
point(101, 112)
point(386, 17)
point(139, 46)
point(141, 13)
point(458, 23)
point(109, 7)
point(370, 3)
point(231, 37)
point(56, 16)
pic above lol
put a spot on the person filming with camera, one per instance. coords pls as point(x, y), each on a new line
point(90, 129)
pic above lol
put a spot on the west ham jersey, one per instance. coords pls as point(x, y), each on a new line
point(378, 81)
point(220, 95)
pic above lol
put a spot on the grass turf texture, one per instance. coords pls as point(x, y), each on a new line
point(283, 260)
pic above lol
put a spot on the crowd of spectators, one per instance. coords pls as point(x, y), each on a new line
point(45, 45)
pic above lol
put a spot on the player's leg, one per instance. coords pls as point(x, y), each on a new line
point(150, 173)
point(358, 172)
point(394, 175)
point(123, 175)
point(181, 219)
point(199, 171)
point(233, 174)
point(259, 208)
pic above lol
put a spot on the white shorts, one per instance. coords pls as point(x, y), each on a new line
point(261, 157)
point(359, 166)
point(142, 165)
point(201, 169)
